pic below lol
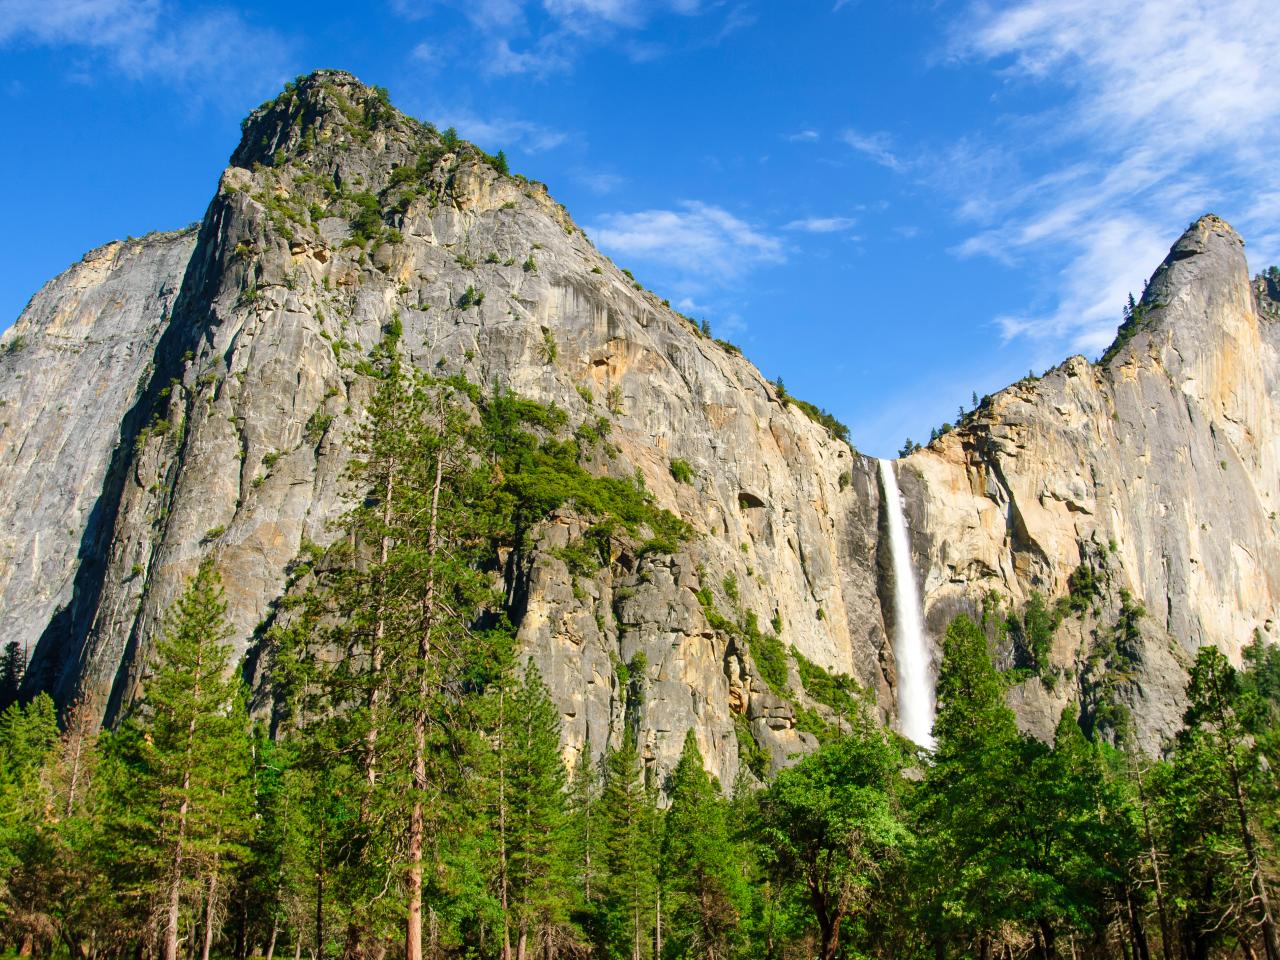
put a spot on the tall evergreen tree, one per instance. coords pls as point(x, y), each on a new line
point(536, 842)
point(964, 878)
point(13, 667)
point(1222, 794)
point(180, 797)
point(629, 892)
point(700, 865)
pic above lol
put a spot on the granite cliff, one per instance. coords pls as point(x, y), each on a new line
point(187, 395)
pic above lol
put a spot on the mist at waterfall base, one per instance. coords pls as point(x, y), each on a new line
point(910, 645)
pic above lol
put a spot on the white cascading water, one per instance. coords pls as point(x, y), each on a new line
point(910, 645)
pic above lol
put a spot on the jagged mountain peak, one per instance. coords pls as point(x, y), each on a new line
point(322, 105)
point(1204, 273)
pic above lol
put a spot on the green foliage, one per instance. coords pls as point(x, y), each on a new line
point(829, 825)
point(1136, 316)
point(838, 691)
point(542, 474)
point(824, 419)
point(13, 667)
point(1033, 634)
point(681, 471)
point(703, 887)
point(751, 755)
point(366, 222)
point(317, 425)
point(630, 837)
point(471, 297)
point(768, 653)
point(177, 772)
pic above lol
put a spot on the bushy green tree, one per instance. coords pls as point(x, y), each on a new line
point(1220, 801)
point(629, 904)
point(831, 823)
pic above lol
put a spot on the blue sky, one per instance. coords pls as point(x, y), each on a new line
point(890, 205)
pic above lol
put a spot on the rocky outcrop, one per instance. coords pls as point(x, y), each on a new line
point(1155, 469)
point(214, 377)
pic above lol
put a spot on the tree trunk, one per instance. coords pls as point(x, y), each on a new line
point(319, 907)
point(1050, 947)
point(208, 913)
point(1270, 943)
point(271, 944)
point(657, 931)
point(413, 924)
point(1258, 883)
point(174, 893)
point(1141, 948)
point(503, 893)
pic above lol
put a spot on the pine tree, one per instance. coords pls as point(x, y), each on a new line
point(537, 862)
point(629, 891)
point(965, 869)
point(404, 596)
point(700, 877)
point(179, 784)
point(584, 846)
point(13, 667)
point(28, 738)
point(1220, 796)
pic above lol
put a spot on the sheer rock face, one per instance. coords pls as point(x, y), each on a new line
point(204, 404)
point(1158, 465)
point(71, 369)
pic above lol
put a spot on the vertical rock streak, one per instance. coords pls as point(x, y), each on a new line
point(910, 644)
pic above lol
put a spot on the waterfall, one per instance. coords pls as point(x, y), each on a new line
point(910, 645)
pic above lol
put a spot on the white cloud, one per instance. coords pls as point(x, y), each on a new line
point(1093, 285)
point(599, 182)
point(146, 39)
point(804, 136)
point(698, 240)
point(1165, 108)
point(822, 224)
point(499, 133)
point(876, 146)
point(542, 37)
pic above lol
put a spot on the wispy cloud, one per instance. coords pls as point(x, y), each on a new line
point(1144, 136)
point(875, 146)
point(215, 49)
point(697, 241)
point(499, 133)
point(804, 136)
point(539, 38)
point(599, 182)
point(822, 224)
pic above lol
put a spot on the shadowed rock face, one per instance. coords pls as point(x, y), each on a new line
point(190, 395)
